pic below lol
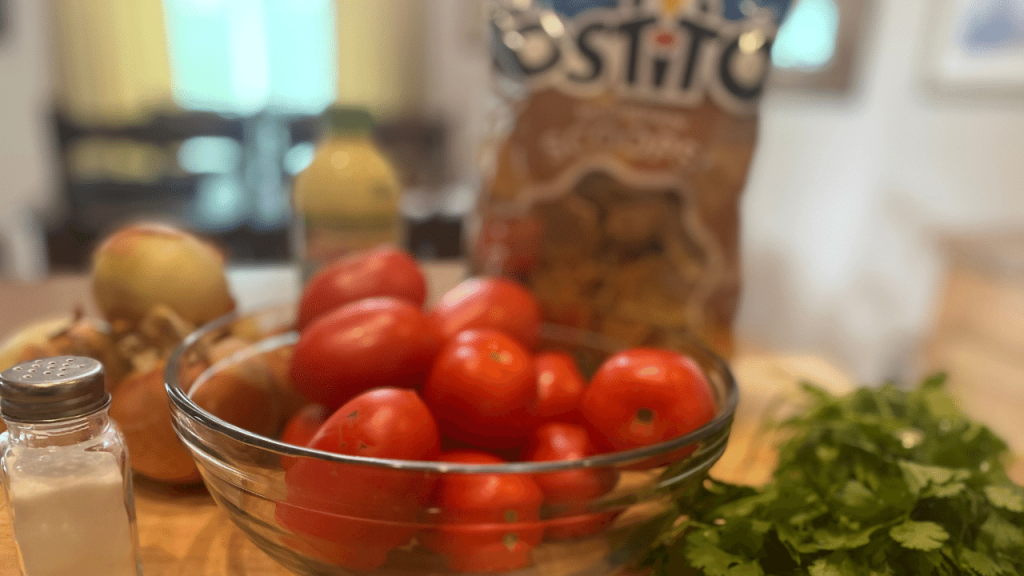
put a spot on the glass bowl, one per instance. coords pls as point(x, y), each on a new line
point(315, 534)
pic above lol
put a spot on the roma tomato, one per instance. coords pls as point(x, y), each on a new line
point(482, 390)
point(382, 271)
point(381, 423)
point(560, 387)
point(569, 493)
point(351, 514)
point(301, 428)
point(485, 522)
point(644, 396)
point(494, 303)
point(354, 543)
point(303, 425)
point(365, 344)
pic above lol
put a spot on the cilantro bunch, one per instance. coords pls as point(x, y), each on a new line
point(878, 482)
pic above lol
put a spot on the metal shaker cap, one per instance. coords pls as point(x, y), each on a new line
point(51, 389)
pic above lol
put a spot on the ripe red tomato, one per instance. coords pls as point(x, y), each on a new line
point(482, 390)
point(362, 345)
point(570, 492)
point(302, 426)
point(382, 271)
point(509, 245)
point(494, 303)
point(486, 522)
point(644, 396)
point(560, 387)
point(348, 542)
point(351, 514)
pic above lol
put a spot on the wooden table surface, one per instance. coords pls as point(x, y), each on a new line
point(182, 532)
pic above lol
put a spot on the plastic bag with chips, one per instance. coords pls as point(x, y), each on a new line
point(620, 150)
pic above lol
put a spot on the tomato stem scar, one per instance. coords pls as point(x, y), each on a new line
point(645, 415)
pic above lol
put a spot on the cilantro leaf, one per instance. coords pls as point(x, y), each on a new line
point(826, 453)
point(704, 553)
point(945, 490)
point(835, 565)
point(1002, 533)
point(936, 381)
point(979, 564)
point(919, 535)
point(856, 495)
point(818, 395)
point(833, 540)
point(822, 567)
point(1008, 497)
point(919, 477)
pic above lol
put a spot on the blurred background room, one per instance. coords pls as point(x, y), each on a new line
point(884, 211)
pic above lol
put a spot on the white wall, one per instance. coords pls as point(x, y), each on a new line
point(27, 170)
point(457, 78)
point(848, 196)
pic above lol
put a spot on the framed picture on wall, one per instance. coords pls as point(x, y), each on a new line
point(977, 46)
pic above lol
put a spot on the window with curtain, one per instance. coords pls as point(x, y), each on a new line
point(183, 109)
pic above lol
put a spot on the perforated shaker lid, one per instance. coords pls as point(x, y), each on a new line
point(52, 389)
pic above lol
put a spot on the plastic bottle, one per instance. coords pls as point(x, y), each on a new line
point(348, 198)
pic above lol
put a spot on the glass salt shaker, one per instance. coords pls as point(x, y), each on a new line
point(65, 471)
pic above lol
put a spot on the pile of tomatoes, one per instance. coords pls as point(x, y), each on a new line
point(463, 382)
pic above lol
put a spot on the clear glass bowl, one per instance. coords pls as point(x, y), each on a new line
point(313, 534)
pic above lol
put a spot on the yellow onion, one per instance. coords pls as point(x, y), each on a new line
point(144, 265)
point(240, 393)
point(140, 408)
point(28, 338)
point(280, 361)
point(74, 335)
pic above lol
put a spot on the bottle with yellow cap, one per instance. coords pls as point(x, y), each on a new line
point(348, 198)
